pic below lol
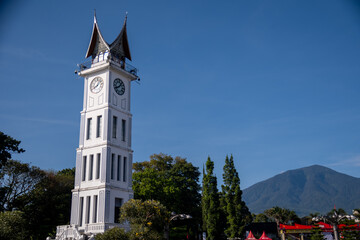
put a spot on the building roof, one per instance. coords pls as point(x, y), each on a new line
point(119, 48)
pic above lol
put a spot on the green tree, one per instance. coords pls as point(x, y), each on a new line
point(18, 180)
point(12, 225)
point(282, 215)
point(48, 204)
point(237, 213)
point(113, 234)
point(147, 219)
point(334, 217)
point(211, 203)
point(261, 217)
point(8, 145)
point(316, 233)
point(349, 231)
point(173, 182)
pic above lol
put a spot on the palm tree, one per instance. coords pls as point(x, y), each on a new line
point(334, 217)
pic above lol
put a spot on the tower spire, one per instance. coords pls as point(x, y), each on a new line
point(97, 43)
point(94, 15)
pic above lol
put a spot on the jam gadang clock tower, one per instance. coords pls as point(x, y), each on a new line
point(104, 158)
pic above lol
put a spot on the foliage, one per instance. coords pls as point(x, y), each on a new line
point(147, 218)
point(316, 233)
point(8, 145)
point(49, 204)
point(261, 217)
point(211, 203)
point(173, 182)
point(335, 216)
point(281, 215)
point(237, 213)
point(12, 225)
point(17, 181)
point(350, 232)
point(113, 234)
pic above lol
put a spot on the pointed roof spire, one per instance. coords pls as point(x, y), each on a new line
point(120, 46)
point(97, 43)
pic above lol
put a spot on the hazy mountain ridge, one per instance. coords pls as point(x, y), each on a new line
point(305, 190)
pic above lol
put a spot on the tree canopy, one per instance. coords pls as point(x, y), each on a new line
point(146, 218)
point(211, 203)
point(8, 145)
point(173, 182)
point(282, 215)
point(237, 213)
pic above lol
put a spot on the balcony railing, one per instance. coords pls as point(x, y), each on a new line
point(107, 57)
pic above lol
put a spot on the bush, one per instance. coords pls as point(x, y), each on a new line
point(113, 234)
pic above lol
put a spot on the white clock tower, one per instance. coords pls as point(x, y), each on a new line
point(104, 157)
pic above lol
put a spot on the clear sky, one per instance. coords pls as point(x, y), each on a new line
point(275, 83)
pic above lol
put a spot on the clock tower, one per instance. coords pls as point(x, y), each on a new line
point(103, 175)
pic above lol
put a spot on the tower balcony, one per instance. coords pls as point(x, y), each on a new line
point(107, 58)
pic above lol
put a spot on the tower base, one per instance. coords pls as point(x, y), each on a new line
point(88, 231)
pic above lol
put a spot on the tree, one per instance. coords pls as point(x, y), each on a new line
point(147, 219)
point(281, 215)
point(334, 217)
point(237, 213)
point(211, 203)
point(12, 225)
point(261, 218)
point(113, 234)
point(173, 182)
point(17, 181)
point(48, 204)
point(316, 233)
point(8, 145)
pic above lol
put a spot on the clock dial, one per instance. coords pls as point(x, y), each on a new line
point(119, 86)
point(96, 85)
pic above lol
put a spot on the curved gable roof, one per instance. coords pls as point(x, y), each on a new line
point(97, 42)
point(120, 46)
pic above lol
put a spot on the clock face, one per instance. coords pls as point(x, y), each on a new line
point(96, 85)
point(119, 86)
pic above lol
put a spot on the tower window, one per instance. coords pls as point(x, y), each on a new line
point(124, 169)
point(81, 210)
point(123, 129)
point(84, 169)
point(118, 203)
point(118, 167)
point(87, 220)
point(88, 131)
point(91, 167)
point(97, 176)
point(112, 166)
point(95, 209)
point(98, 126)
point(114, 127)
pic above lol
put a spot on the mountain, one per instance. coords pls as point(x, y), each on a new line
point(305, 190)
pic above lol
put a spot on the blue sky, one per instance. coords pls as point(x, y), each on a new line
point(275, 83)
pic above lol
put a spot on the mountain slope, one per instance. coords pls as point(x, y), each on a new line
point(305, 190)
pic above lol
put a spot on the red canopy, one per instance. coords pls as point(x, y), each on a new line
point(251, 236)
point(264, 237)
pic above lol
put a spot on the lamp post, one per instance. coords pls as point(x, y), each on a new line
point(174, 216)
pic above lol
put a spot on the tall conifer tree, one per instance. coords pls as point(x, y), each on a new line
point(237, 213)
point(210, 203)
